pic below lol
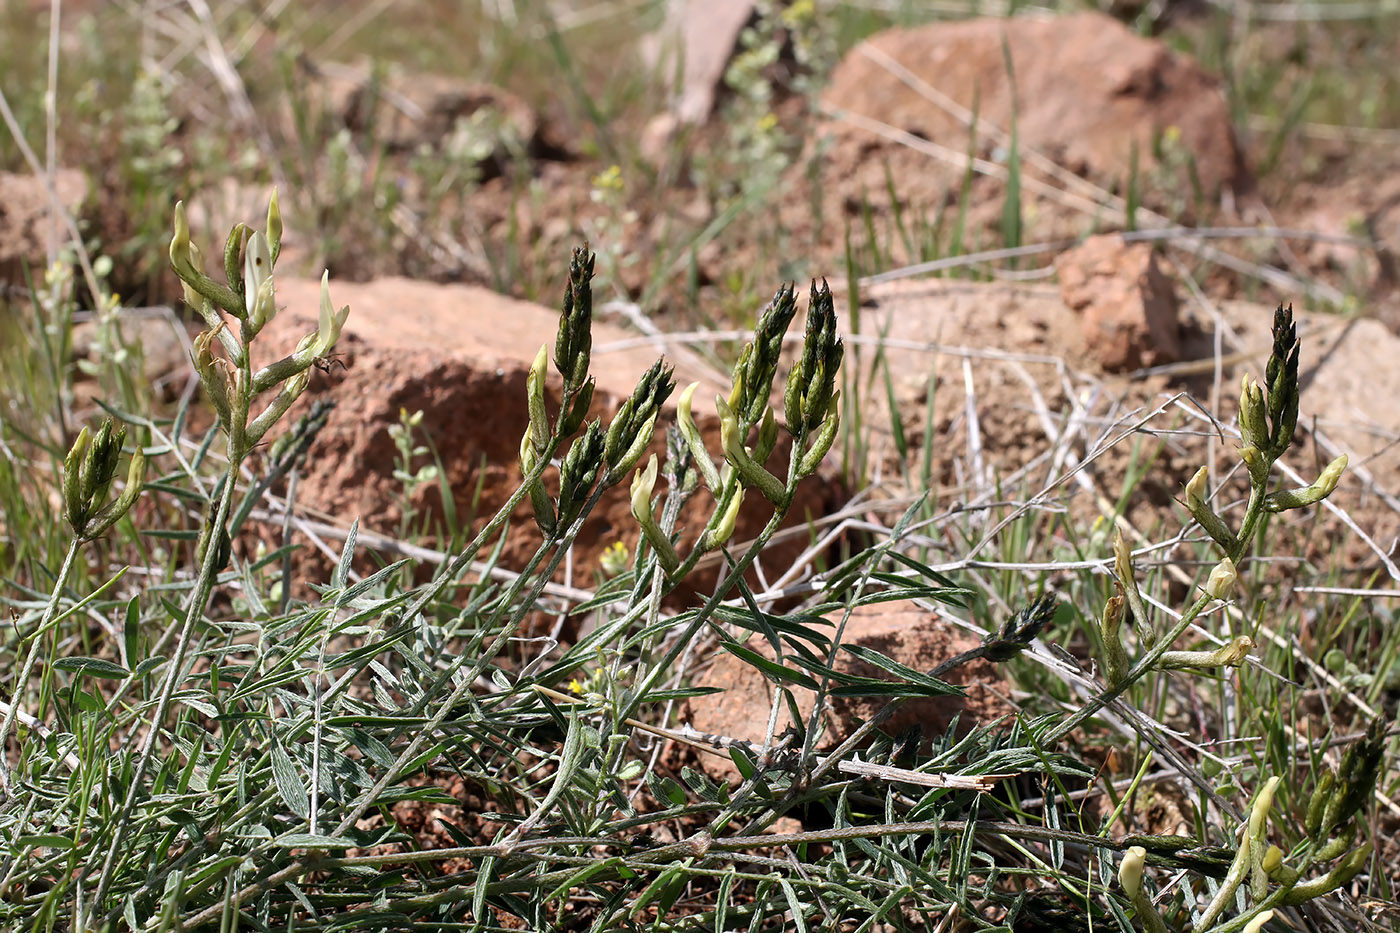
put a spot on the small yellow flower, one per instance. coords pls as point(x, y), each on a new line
point(575, 687)
point(615, 558)
point(610, 179)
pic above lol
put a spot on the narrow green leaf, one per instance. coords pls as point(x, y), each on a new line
point(92, 667)
point(43, 841)
point(131, 629)
point(289, 783)
point(347, 555)
point(772, 668)
point(902, 671)
point(312, 841)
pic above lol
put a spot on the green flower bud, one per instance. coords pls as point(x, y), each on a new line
point(1127, 585)
point(100, 464)
point(574, 343)
point(196, 259)
point(1308, 495)
point(1204, 515)
point(1341, 874)
point(274, 227)
point(695, 442)
point(1257, 464)
point(135, 481)
point(1116, 661)
point(821, 444)
point(1356, 777)
point(180, 254)
point(1196, 490)
point(643, 484)
point(758, 363)
point(1259, 809)
point(219, 538)
point(1317, 803)
point(1338, 845)
point(750, 472)
point(1019, 630)
point(630, 432)
point(74, 502)
point(233, 247)
point(724, 528)
point(767, 436)
point(578, 411)
point(1281, 374)
point(539, 500)
point(579, 472)
point(89, 469)
point(811, 384)
point(189, 266)
point(1254, 426)
point(211, 374)
point(538, 429)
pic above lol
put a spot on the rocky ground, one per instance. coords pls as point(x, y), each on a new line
point(1050, 237)
point(909, 152)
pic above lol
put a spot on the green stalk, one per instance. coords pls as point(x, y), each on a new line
point(1254, 510)
point(204, 588)
point(17, 693)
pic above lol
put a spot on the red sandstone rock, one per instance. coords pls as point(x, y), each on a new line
point(1126, 306)
point(912, 636)
point(1088, 93)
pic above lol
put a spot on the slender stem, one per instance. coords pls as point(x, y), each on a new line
point(17, 695)
point(1254, 511)
point(203, 589)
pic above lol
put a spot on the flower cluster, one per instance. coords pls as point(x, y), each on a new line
point(598, 458)
point(1266, 431)
point(248, 295)
point(1261, 869)
point(811, 409)
point(88, 473)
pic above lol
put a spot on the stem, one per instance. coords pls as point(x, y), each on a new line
point(203, 589)
point(1254, 510)
point(17, 695)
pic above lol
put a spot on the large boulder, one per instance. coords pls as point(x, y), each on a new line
point(1083, 90)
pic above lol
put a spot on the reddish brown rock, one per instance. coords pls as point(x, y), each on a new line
point(24, 219)
point(460, 355)
point(1126, 305)
point(914, 637)
point(1089, 93)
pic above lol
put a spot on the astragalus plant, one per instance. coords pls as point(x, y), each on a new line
point(225, 757)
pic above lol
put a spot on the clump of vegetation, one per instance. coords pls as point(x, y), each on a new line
point(199, 751)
